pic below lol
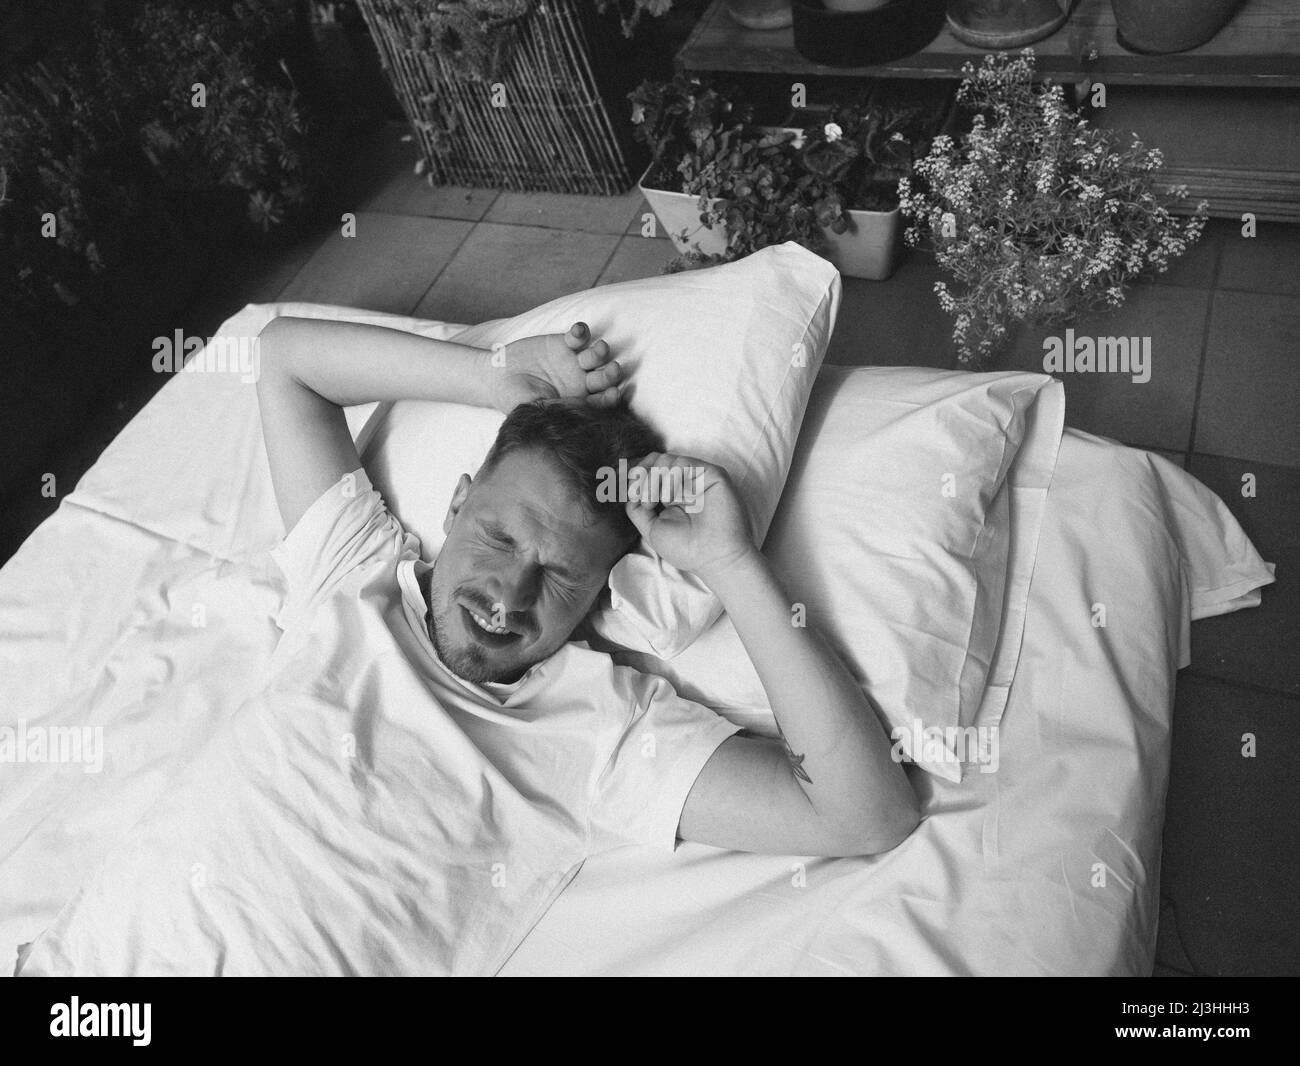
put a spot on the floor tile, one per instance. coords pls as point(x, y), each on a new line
point(388, 266)
point(1171, 956)
point(895, 322)
point(586, 214)
point(638, 257)
point(378, 156)
point(1256, 646)
point(505, 270)
point(407, 193)
point(1153, 414)
point(1196, 269)
point(1177, 458)
point(1250, 398)
point(639, 221)
point(1267, 262)
point(1229, 866)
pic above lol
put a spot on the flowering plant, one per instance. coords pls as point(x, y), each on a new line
point(747, 177)
point(1036, 213)
point(764, 185)
point(861, 153)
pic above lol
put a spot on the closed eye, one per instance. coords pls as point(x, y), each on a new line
point(566, 580)
point(565, 586)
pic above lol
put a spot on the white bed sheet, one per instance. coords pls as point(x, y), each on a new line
point(145, 605)
point(1048, 866)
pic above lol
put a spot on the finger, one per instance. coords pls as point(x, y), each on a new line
point(674, 459)
point(577, 336)
point(603, 377)
point(642, 513)
point(680, 486)
point(645, 462)
point(609, 397)
point(594, 355)
point(666, 460)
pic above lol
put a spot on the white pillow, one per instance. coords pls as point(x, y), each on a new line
point(721, 362)
point(907, 532)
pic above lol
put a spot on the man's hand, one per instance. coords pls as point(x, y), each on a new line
point(689, 513)
point(554, 366)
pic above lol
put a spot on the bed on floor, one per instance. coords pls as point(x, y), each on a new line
point(146, 604)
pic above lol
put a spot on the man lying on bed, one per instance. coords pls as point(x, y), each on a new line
point(528, 551)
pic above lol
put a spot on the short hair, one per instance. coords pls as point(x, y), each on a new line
point(583, 440)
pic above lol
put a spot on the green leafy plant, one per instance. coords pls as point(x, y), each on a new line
point(862, 152)
point(106, 138)
point(473, 37)
point(751, 185)
point(1035, 213)
point(764, 185)
point(674, 118)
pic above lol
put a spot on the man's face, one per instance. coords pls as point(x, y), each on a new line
point(522, 565)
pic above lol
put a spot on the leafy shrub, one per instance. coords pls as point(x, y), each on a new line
point(104, 136)
point(1035, 213)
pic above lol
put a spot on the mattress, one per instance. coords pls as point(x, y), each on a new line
point(144, 606)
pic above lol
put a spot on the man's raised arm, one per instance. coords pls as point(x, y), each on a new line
point(830, 786)
point(311, 369)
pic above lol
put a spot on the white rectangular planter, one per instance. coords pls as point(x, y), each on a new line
point(870, 248)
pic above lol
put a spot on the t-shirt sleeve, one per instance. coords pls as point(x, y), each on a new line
point(656, 758)
point(347, 527)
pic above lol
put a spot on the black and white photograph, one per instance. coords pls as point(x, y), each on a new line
point(650, 488)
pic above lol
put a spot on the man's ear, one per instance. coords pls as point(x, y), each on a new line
point(457, 501)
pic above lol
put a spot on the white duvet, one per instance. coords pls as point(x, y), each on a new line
point(145, 606)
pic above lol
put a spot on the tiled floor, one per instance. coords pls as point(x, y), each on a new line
point(1223, 401)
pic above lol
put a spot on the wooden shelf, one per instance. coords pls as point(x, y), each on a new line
point(1260, 47)
point(1230, 145)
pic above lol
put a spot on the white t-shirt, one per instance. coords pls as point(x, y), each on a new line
point(368, 811)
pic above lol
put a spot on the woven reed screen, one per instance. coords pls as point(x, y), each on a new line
point(554, 133)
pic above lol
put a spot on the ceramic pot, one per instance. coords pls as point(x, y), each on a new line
point(1006, 23)
point(865, 37)
point(1159, 26)
point(854, 5)
point(760, 14)
point(871, 247)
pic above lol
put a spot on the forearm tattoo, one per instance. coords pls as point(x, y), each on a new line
point(796, 761)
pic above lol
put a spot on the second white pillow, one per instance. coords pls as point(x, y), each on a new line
point(907, 537)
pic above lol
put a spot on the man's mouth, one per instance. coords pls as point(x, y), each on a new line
point(485, 632)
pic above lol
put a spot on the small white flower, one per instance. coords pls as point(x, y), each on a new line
point(833, 131)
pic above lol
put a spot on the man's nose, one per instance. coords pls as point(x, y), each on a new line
point(514, 585)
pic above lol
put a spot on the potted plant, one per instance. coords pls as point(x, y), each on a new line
point(1036, 214)
point(724, 187)
point(861, 154)
point(862, 33)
